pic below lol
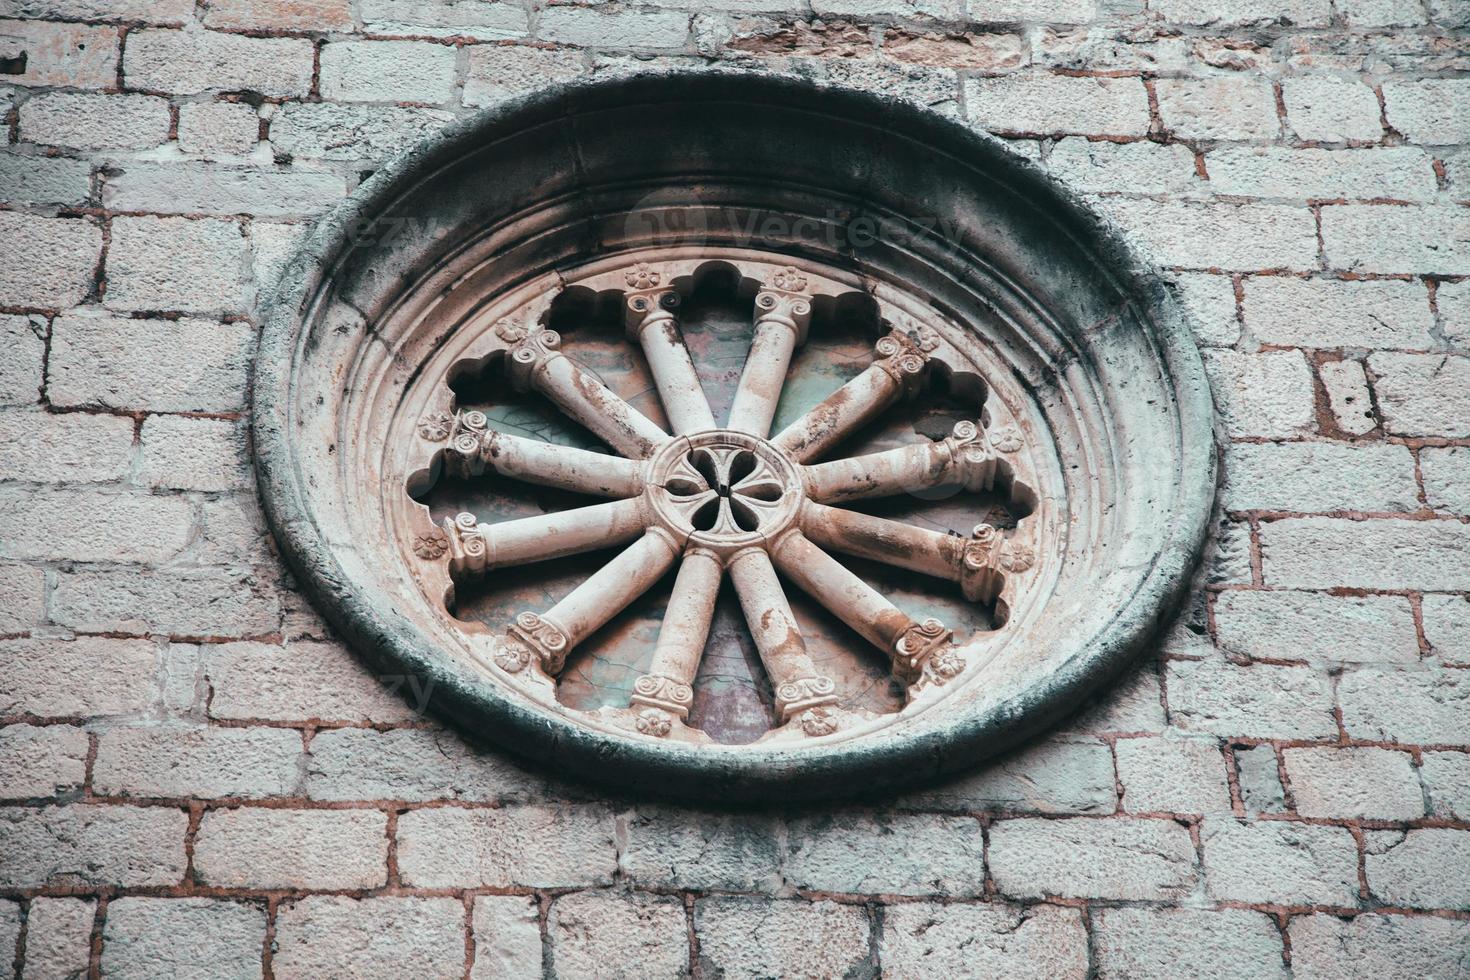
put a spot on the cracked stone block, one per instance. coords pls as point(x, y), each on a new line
point(755, 937)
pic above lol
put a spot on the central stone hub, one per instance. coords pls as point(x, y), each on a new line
point(724, 489)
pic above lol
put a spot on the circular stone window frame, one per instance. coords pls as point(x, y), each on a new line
point(1070, 311)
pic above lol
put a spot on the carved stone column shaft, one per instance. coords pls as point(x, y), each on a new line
point(777, 636)
point(550, 465)
point(681, 638)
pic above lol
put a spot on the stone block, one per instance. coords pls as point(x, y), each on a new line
point(176, 264)
point(1116, 858)
point(1267, 395)
point(24, 338)
point(1329, 109)
point(410, 764)
point(494, 20)
point(1320, 476)
point(1217, 236)
point(87, 121)
point(1446, 472)
point(1172, 775)
point(497, 72)
point(216, 130)
point(644, 934)
point(1284, 311)
point(1397, 238)
point(1423, 394)
point(191, 62)
point(43, 447)
point(35, 179)
point(507, 937)
point(388, 71)
point(1218, 108)
point(1052, 104)
point(1316, 627)
point(59, 937)
point(1354, 783)
point(40, 762)
point(50, 263)
point(384, 938)
point(1327, 552)
point(275, 15)
point(88, 676)
point(664, 848)
point(205, 188)
point(1428, 868)
point(64, 55)
point(535, 846)
point(756, 937)
point(1275, 862)
point(1446, 779)
point(1255, 700)
point(185, 761)
point(205, 602)
point(256, 847)
point(1387, 947)
point(1425, 110)
point(87, 846)
point(900, 854)
point(301, 681)
point(1447, 627)
point(1039, 942)
point(1069, 775)
point(324, 131)
point(152, 937)
point(596, 27)
point(1162, 944)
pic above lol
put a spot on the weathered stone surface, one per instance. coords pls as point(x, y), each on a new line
point(41, 524)
point(9, 928)
point(204, 188)
point(409, 764)
point(1166, 943)
point(1400, 173)
point(272, 15)
point(324, 131)
point(507, 937)
point(1446, 478)
point(1423, 394)
point(301, 681)
point(59, 937)
point(1263, 700)
point(1042, 941)
point(70, 55)
point(595, 27)
point(255, 847)
point(1413, 706)
point(1390, 238)
point(1346, 384)
point(24, 338)
point(40, 762)
point(22, 597)
point(209, 602)
point(145, 364)
point(1428, 868)
point(1453, 299)
point(752, 937)
point(1289, 312)
point(1219, 236)
point(1447, 627)
point(1361, 783)
point(1050, 776)
point(1058, 104)
point(88, 676)
point(1267, 395)
point(900, 854)
point(218, 130)
point(1141, 167)
point(1331, 109)
point(42, 447)
point(1260, 780)
point(50, 262)
point(178, 937)
point(1392, 947)
point(95, 122)
point(1277, 862)
point(87, 845)
point(489, 20)
point(1325, 552)
point(1230, 108)
point(1320, 476)
point(189, 761)
point(370, 938)
point(497, 72)
point(148, 259)
point(387, 71)
point(1423, 109)
point(644, 934)
point(1085, 858)
point(190, 62)
point(1446, 779)
point(33, 179)
point(1316, 627)
point(663, 849)
point(451, 847)
point(1172, 775)
point(184, 453)
point(1210, 302)
point(1304, 13)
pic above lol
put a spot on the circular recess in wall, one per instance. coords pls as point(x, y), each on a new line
point(733, 437)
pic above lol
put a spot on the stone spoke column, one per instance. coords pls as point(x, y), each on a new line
point(652, 323)
point(473, 449)
point(476, 547)
point(962, 461)
point(669, 683)
point(783, 314)
point(796, 681)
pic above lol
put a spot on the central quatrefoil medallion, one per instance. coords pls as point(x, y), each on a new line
point(724, 488)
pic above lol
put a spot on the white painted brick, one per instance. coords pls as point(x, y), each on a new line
point(901, 854)
point(1278, 862)
point(452, 847)
point(1329, 109)
point(1354, 783)
point(1429, 110)
point(1209, 302)
point(70, 55)
point(1289, 312)
point(1255, 700)
point(50, 262)
point(593, 27)
point(24, 342)
point(1427, 868)
point(1164, 944)
point(663, 849)
point(1325, 553)
point(151, 365)
point(1268, 395)
point(1058, 104)
point(190, 761)
point(1346, 384)
point(22, 597)
point(1447, 627)
point(218, 129)
point(176, 264)
point(755, 937)
point(190, 62)
point(274, 15)
point(1260, 780)
point(202, 188)
point(1394, 238)
point(1316, 627)
point(39, 762)
point(1320, 476)
point(74, 447)
point(1142, 167)
point(1232, 237)
point(301, 681)
point(1453, 300)
point(1446, 779)
point(87, 676)
point(85, 845)
point(1172, 775)
point(1386, 947)
point(95, 122)
point(1423, 394)
point(1086, 858)
point(1218, 108)
point(1041, 942)
point(1412, 706)
point(371, 939)
point(409, 764)
point(324, 131)
point(507, 937)
point(255, 847)
point(41, 524)
point(1053, 775)
point(185, 453)
point(498, 72)
point(151, 937)
point(33, 179)
point(212, 602)
point(388, 71)
point(589, 930)
point(486, 21)
point(59, 937)
point(1304, 13)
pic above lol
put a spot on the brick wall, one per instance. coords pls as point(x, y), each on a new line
point(198, 777)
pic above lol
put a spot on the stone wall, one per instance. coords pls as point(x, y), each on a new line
point(199, 778)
